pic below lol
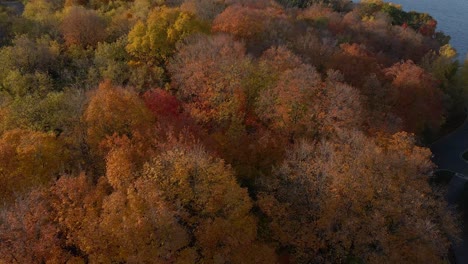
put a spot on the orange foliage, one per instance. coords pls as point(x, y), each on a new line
point(242, 22)
point(214, 208)
point(115, 110)
point(207, 75)
point(28, 159)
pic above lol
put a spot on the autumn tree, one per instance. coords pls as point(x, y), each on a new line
point(213, 208)
point(357, 200)
point(415, 97)
point(29, 234)
point(28, 159)
point(148, 230)
point(344, 108)
point(114, 110)
point(299, 104)
point(213, 93)
point(82, 27)
point(216, 95)
point(171, 116)
point(260, 24)
point(154, 41)
point(241, 22)
point(75, 203)
point(91, 218)
point(360, 63)
point(292, 105)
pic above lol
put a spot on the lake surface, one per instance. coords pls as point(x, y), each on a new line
point(451, 15)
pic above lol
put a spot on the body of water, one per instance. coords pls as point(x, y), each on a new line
point(451, 15)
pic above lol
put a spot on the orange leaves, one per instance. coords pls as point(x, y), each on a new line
point(28, 159)
point(207, 74)
point(120, 168)
point(260, 24)
point(210, 202)
point(299, 104)
point(242, 22)
point(115, 110)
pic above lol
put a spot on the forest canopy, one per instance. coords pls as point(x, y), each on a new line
point(223, 131)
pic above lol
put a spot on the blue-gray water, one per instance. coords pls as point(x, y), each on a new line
point(451, 15)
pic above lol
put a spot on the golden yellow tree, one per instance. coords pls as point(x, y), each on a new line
point(28, 159)
point(210, 204)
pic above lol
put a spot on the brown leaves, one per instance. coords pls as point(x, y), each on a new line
point(82, 27)
point(415, 97)
point(357, 198)
point(28, 233)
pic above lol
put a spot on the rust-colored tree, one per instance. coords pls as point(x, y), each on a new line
point(82, 27)
point(112, 110)
point(207, 75)
point(28, 233)
point(415, 97)
point(357, 199)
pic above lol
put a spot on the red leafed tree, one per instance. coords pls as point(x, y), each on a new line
point(415, 97)
point(170, 114)
point(162, 103)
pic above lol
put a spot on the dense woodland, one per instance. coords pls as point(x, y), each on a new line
point(223, 131)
